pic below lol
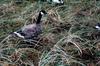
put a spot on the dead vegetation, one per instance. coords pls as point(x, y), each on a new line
point(68, 39)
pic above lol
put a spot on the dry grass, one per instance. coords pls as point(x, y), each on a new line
point(68, 38)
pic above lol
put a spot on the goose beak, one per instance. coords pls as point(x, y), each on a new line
point(46, 14)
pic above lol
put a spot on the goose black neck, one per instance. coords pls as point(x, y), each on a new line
point(39, 18)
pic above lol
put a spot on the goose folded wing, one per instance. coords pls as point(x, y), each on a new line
point(31, 31)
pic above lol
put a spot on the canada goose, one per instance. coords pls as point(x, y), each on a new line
point(98, 26)
point(31, 31)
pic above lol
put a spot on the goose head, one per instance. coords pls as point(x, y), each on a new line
point(43, 12)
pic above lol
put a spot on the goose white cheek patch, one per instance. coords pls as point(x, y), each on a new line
point(57, 1)
point(19, 35)
point(42, 13)
point(97, 27)
point(62, 1)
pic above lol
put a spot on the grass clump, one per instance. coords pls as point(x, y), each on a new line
point(68, 39)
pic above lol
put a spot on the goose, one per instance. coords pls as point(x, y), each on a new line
point(31, 31)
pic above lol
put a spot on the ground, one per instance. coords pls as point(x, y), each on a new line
point(69, 36)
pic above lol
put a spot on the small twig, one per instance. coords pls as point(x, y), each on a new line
point(4, 39)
